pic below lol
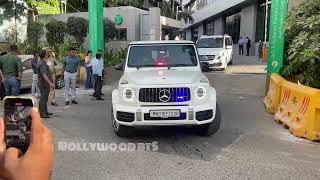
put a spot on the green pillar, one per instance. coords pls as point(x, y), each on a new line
point(278, 17)
point(96, 26)
point(276, 35)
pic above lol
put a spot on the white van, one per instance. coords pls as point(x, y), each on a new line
point(217, 51)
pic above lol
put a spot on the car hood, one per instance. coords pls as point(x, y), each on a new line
point(210, 51)
point(163, 77)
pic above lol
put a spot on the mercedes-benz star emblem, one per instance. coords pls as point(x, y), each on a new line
point(164, 95)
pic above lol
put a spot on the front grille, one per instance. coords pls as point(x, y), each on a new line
point(125, 116)
point(204, 115)
point(183, 116)
point(207, 58)
point(164, 95)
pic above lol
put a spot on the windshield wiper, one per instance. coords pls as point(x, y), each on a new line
point(179, 65)
point(141, 66)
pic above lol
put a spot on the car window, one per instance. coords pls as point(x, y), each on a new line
point(229, 41)
point(27, 64)
point(210, 43)
point(162, 55)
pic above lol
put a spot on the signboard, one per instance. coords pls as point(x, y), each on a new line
point(276, 35)
point(118, 19)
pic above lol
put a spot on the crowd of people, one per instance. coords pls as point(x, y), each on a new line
point(45, 73)
point(40, 151)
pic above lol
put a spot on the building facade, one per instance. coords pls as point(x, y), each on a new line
point(137, 24)
point(237, 18)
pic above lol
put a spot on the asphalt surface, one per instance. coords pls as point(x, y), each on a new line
point(249, 145)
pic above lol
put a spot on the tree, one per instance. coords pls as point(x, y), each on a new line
point(56, 32)
point(45, 6)
point(302, 48)
point(78, 28)
point(34, 33)
point(110, 30)
point(185, 16)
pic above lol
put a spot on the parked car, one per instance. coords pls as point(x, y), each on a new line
point(28, 73)
point(217, 51)
point(163, 85)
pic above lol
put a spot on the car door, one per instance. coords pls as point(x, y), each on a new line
point(226, 51)
point(27, 75)
point(229, 48)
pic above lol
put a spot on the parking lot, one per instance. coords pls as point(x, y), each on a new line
point(249, 145)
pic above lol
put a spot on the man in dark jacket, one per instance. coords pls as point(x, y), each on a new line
point(248, 46)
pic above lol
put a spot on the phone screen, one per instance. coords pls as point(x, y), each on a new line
point(18, 122)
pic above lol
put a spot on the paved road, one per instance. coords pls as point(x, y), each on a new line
point(250, 145)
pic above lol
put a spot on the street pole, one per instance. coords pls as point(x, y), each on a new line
point(266, 23)
point(265, 42)
point(15, 21)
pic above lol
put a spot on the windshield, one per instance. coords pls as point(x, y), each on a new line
point(162, 55)
point(210, 43)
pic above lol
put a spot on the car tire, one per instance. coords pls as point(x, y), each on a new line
point(59, 82)
point(231, 61)
point(120, 130)
point(213, 127)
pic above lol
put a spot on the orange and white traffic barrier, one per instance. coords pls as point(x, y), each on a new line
point(299, 110)
point(272, 100)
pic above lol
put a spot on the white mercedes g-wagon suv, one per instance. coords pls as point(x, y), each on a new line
point(163, 85)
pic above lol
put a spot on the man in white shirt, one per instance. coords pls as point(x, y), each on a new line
point(178, 38)
point(97, 67)
point(167, 37)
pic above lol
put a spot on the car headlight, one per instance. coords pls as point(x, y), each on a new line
point(219, 58)
point(200, 92)
point(128, 94)
point(204, 80)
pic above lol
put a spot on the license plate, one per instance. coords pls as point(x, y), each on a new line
point(165, 114)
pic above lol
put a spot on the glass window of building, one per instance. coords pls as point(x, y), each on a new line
point(194, 34)
point(121, 34)
point(209, 29)
point(261, 15)
point(232, 26)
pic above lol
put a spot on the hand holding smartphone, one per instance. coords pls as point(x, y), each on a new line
point(36, 162)
point(18, 121)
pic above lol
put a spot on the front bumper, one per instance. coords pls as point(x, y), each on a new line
point(190, 113)
point(215, 64)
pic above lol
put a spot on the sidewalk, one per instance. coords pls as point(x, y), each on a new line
point(246, 65)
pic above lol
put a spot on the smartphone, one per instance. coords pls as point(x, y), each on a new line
point(18, 121)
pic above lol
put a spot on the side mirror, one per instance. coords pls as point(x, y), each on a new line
point(119, 67)
point(205, 67)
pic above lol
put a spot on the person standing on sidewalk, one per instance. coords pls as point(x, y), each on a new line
point(35, 85)
point(97, 66)
point(240, 43)
point(102, 60)
point(260, 48)
point(88, 61)
point(11, 68)
point(70, 71)
point(45, 84)
point(51, 63)
point(248, 44)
